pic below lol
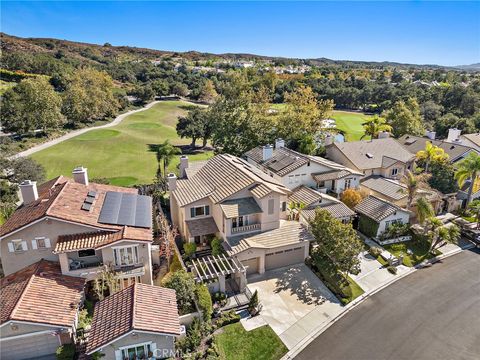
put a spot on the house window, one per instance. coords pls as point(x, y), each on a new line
point(290, 179)
point(40, 243)
point(203, 210)
point(239, 221)
point(86, 252)
point(17, 246)
point(391, 222)
point(394, 171)
point(141, 351)
point(284, 206)
point(321, 184)
point(127, 255)
point(271, 206)
point(348, 183)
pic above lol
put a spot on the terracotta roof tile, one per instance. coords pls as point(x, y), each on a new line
point(139, 307)
point(40, 293)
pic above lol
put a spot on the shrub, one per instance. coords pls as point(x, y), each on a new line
point(175, 265)
point(227, 318)
point(392, 270)
point(375, 251)
point(367, 226)
point(217, 247)
point(65, 352)
point(184, 285)
point(351, 197)
point(189, 249)
point(204, 301)
point(253, 301)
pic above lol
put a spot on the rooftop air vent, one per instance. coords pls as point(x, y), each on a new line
point(370, 156)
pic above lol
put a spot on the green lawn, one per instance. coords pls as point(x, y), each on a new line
point(419, 249)
point(350, 123)
point(120, 153)
point(259, 344)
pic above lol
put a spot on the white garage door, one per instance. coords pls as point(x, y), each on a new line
point(251, 265)
point(287, 257)
point(29, 347)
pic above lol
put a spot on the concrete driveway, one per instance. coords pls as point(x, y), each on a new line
point(288, 295)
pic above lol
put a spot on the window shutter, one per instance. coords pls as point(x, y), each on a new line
point(34, 244)
point(207, 210)
point(118, 355)
point(10, 247)
point(24, 245)
point(47, 243)
point(192, 212)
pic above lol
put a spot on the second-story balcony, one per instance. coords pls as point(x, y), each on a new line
point(245, 228)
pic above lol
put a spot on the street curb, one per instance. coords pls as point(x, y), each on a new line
point(302, 344)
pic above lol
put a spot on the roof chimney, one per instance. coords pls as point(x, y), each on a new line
point(29, 192)
point(279, 143)
point(454, 135)
point(183, 165)
point(172, 182)
point(80, 175)
point(383, 135)
point(267, 152)
point(329, 139)
point(430, 134)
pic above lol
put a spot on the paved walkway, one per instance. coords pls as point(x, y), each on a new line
point(74, 133)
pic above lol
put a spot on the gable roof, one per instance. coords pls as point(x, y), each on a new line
point(62, 198)
point(40, 293)
point(474, 138)
point(416, 143)
point(377, 209)
point(240, 207)
point(222, 176)
point(285, 160)
point(373, 154)
point(338, 210)
point(139, 307)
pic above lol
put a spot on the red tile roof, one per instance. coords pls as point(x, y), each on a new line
point(63, 198)
point(139, 307)
point(40, 293)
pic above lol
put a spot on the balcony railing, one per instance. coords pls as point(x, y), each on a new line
point(241, 229)
point(80, 264)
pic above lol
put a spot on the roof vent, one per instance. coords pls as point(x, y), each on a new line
point(89, 200)
point(369, 155)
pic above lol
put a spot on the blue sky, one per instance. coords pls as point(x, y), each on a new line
point(446, 33)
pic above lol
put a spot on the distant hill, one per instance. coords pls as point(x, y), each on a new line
point(94, 53)
point(473, 67)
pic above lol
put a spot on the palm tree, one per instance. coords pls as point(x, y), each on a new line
point(474, 206)
point(468, 168)
point(413, 183)
point(165, 153)
point(431, 153)
point(374, 126)
point(424, 210)
point(439, 234)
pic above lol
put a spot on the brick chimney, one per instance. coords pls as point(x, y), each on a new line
point(183, 165)
point(383, 135)
point(172, 182)
point(29, 192)
point(267, 152)
point(279, 143)
point(454, 135)
point(80, 175)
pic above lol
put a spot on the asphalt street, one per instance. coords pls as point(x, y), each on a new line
point(433, 313)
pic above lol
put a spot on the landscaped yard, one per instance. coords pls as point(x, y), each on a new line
point(258, 344)
point(419, 252)
point(120, 153)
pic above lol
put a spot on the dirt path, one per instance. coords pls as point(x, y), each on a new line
point(72, 134)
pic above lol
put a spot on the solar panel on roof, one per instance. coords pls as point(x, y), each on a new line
point(126, 209)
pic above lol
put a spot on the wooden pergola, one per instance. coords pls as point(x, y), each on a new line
point(216, 266)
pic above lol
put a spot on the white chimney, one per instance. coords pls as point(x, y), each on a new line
point(329, 139)
point(80, 175)
point(183, 165)
point(454, 135)
point(267, 152)
point(383, 135)
point(279, 143)
point(29, 192)
point(172, 182)
point(430, 134)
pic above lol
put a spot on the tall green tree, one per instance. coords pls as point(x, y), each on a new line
point(439, 234)
point(165, 153)
point(405, 118)
point(413, 184)
point(474, 206)
point(424, 210)
point(195, 125)
point(88, 96)
point(468, 168)
point(30, 105)
point(208, 92)
point(374, 126)
point(431, 153)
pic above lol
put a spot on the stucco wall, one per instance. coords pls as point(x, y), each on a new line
point(400, 215)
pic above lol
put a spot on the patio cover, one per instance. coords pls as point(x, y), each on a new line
point(215, 266)
point(199, 227)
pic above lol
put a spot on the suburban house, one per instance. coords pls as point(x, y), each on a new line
point(83, 226)
point(138, 322)
point(39, 310)
point(229, 198)
point(384, 157)
point(293, 169)
point(376, 215)
point(396, 192)
point(471, 140)
point(454, 147)
point(313, 199)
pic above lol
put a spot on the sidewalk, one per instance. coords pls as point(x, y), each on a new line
point(372, 281)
